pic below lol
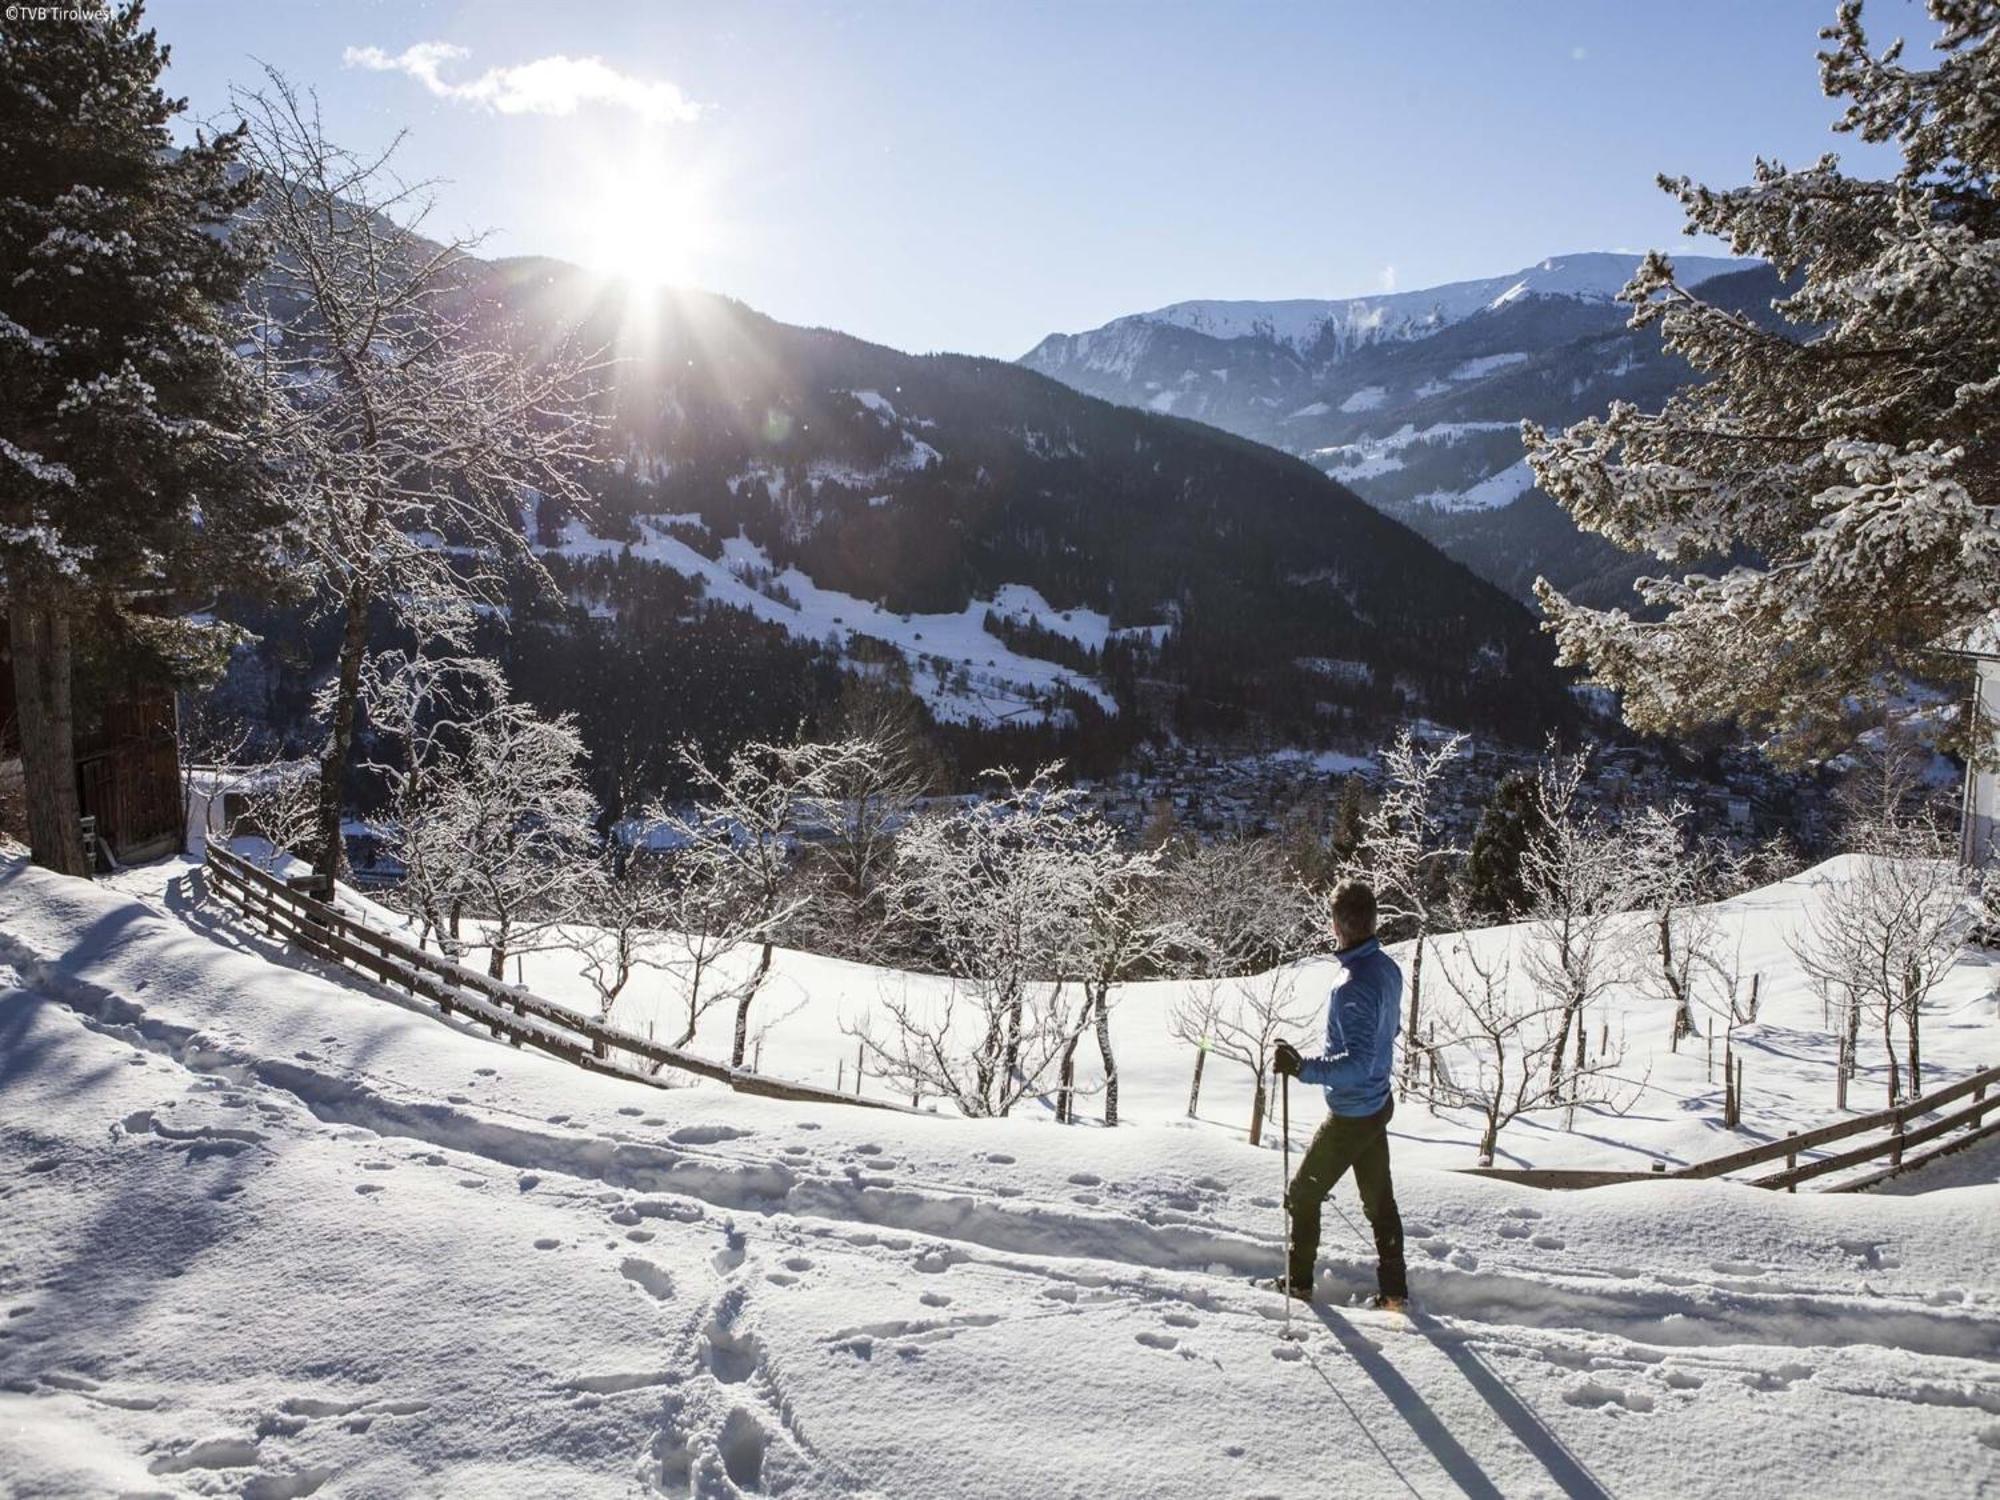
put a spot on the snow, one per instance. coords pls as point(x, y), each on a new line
point(1372, 457)
point(1302, 323)
point(1368, 398)
point(1492, 492)
point(1486, 364)
point(1001, 685)
point(271, 1230)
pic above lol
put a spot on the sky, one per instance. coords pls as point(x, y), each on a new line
point(973, 176)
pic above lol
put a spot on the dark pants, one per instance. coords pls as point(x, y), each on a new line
point(1360, 1142)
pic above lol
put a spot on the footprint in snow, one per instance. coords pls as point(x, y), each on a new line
point(1737, 1268)
point(1683, 1380)
point(1513, 1229)
point(935, 1299)
point(1157, 1340)
point(868, 1149)
point(548, 1244)
point(1547, 1242)
point(1597, 1394)
point(1465, 1260)
point(630, 1109)
point(369, 1189)
point(1086, 1179)
point(1000, 1158)
point(1181, 1320)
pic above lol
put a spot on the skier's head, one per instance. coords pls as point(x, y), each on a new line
point(1353, 912)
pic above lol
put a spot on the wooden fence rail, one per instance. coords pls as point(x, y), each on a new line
point(1897, 1137)
point(508, 1010)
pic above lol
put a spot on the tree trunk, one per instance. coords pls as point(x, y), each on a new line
point(1576, 1073)
point(1194, 1089)
point(1110, 1062)
point(1889, 1047)
point(742, 1042)
point(1489, 1141)
point(1066, 1086)
point(1410, 1048)
point(1911, 982)
point(327, 858)
point(1257, 1112)
point(39, 633)
point(1562, 1045)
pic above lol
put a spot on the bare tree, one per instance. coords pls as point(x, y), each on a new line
point(1675, 875)
point(751, 813)
point(1885, 929)
point(516, 802)
point(621, 905)
point(1129, 931)
point(995, 887)
point(1579, 877)
point(709, 914)
point(1405, 856)
point(1249, 922)
point(1496, 1059)
point(405, 429)
point(420, 708)
point(280, 806)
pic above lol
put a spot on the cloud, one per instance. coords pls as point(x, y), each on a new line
point(555, 85)
point(1578, 54)
point(1389, 278)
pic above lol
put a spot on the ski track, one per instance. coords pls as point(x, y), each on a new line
point(1725, 1312)
point(722, 1419)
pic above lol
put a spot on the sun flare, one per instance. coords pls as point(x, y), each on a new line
point(651, 224)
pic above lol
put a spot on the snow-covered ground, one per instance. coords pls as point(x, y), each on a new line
point(271, 1231)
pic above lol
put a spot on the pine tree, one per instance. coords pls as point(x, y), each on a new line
point(1509, 823)
point(1847, 457)
point(126, 471)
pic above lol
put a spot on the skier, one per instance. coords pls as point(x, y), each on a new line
point(1363, 1015)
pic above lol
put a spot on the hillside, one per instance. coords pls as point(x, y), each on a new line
point(272, 1231)
point(784, 508)
point(1414, 401)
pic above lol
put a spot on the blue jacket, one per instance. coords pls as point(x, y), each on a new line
point(1363, 1015)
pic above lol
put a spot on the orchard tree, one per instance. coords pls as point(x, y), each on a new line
point(407, 419)
point(126, 472)
point(1846, 457)
point(1405, 857)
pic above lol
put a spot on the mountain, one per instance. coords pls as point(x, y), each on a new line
point(1413, 400)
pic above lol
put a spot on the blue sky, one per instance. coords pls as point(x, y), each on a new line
point(971, 176)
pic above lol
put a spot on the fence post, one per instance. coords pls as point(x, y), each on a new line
point(1896, 1139)
point(1791, 1161)
point(1711, 1057)
point(1739, 1091)
point(840, 1077)
point(1978, 1096)
point(859, 1054)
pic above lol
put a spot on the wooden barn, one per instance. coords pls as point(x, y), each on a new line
point(127, 758)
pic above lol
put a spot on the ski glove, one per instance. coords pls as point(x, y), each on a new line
point(1285, 1061)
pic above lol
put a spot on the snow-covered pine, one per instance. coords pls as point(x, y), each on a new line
point(406, 432)
point(1407, 860)
point(1843, 456)
point(126, 481)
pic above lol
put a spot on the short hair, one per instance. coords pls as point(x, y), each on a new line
point(1354, 907)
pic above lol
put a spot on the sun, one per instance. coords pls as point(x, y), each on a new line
point(650, 222)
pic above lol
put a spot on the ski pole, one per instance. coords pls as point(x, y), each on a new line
point(1285, 1197)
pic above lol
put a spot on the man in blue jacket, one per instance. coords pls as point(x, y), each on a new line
point(1363, 1016)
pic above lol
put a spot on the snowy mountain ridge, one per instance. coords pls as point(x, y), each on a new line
point(1328, 330)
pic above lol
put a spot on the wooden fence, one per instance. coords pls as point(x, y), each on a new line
point(1895, 1133)
point(291, 910)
